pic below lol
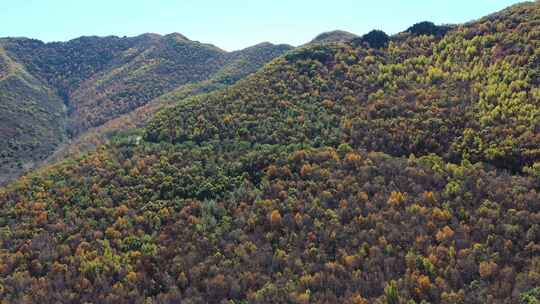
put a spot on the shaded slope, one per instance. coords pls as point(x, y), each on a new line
point(32, 119)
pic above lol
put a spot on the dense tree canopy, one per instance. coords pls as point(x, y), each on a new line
point(266, 224)
point(339, 173)
point(428, 28)
point(376, 39)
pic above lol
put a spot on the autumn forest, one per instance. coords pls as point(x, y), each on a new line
point(390, 169)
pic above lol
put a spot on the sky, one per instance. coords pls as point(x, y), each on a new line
point(229, 24)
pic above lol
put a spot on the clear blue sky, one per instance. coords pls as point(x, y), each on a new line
point(229, 24)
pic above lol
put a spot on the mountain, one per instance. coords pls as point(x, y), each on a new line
point(333, 36)
point(99, 79)
point(398, 169)
point(470, 95)
point(152, 70)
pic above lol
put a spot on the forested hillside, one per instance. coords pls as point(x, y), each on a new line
point(99, 79)
point(239, 65)
point(32, 119)
point(400, 169)
point(472, 94)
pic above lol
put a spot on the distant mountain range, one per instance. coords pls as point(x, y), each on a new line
point(52, 93)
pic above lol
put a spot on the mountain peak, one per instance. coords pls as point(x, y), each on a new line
point(333, 36)
point(177, 36)
point(150, 35)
